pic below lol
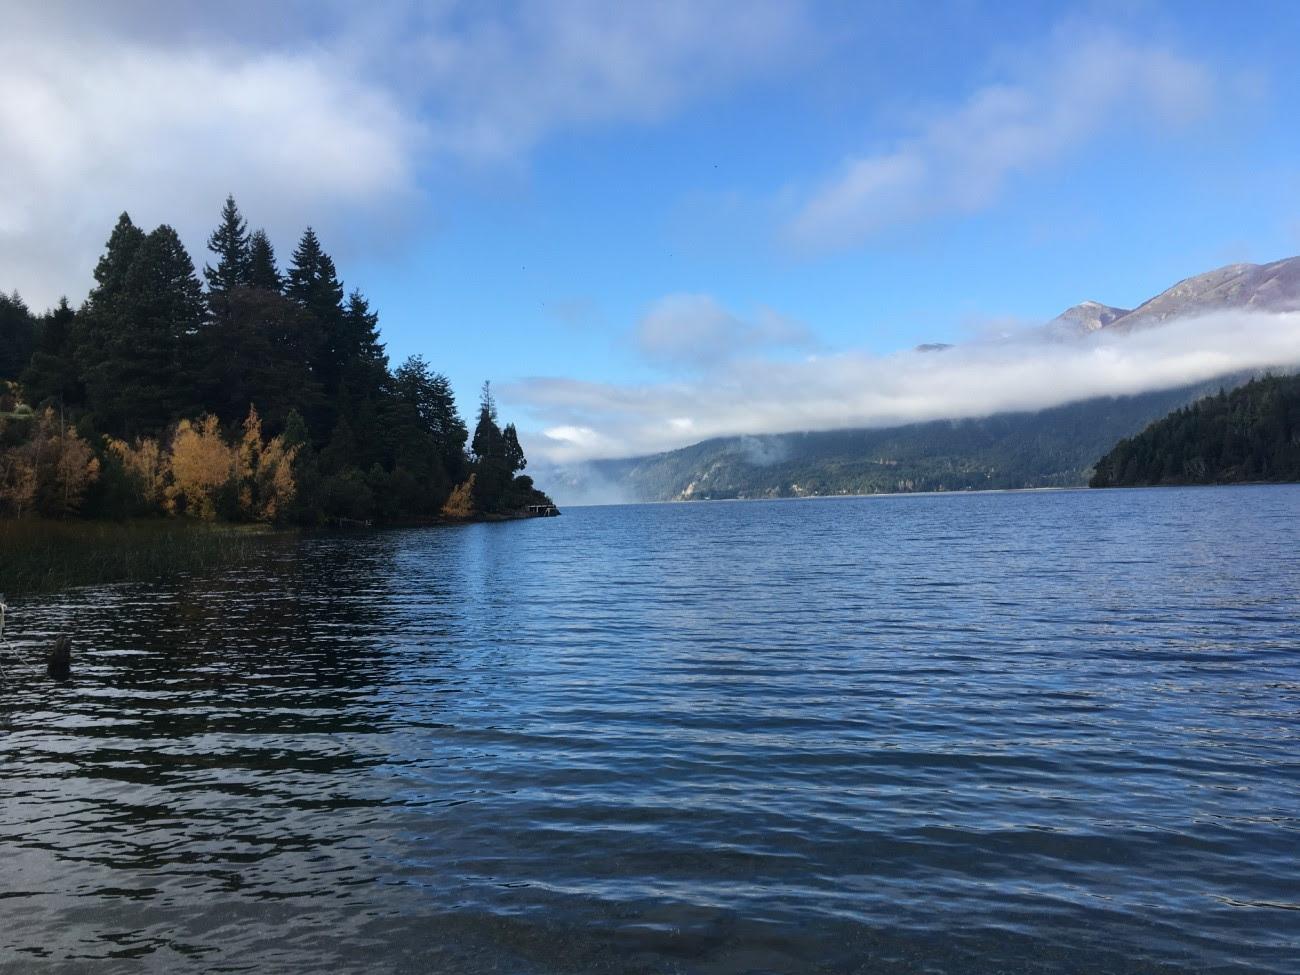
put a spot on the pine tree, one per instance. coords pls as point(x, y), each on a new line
point(512, 453)
point(487, 441)
point(429, 396)
point(17, 336)
point(492, 474)
point(99, 319)
point(361, 341)
point(262, 271)
point(144, 378)
point(230, 243)
point(52, 374)
point(111, 271)
point(313, 283)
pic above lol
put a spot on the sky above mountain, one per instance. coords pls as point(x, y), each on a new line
point(645, 221)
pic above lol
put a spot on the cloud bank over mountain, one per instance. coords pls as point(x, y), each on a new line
point(1029, 371)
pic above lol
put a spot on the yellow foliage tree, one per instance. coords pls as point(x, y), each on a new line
point(274, 479)
point(49, 471)
point(201, 465)
point(74, 467)
point(461, 502)
point(264, 471)
point(17, 463)
point(148, 466)
point(17, 481)
point(246, 462)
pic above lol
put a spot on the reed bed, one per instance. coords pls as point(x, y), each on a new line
point(45, 556)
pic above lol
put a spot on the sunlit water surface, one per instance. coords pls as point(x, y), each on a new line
point(1051, 732)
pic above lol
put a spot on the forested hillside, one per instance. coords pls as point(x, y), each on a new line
point(265, 395)
point(1251, 433)
point(1048, 448)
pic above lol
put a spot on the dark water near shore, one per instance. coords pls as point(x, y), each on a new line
point(1053, 732)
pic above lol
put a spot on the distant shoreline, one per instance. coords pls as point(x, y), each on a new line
point(1083, 488)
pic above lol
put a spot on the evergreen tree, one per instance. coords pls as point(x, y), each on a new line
point(487, 443)
point(257, 352)
point(111, 271)
point(492, 473)
point(511, 452)
point(313, 283)
point(98, 320)
point(17, 336)
point(52, 374)
point(262, 271)
point(230, 243)
point(361, 344)
point(429, 396)
point(143, 379)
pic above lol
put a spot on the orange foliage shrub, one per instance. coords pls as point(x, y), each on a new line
point(461, 502)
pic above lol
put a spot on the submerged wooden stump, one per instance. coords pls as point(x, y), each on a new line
point(59, 664)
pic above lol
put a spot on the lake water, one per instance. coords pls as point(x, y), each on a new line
point(1045, 732)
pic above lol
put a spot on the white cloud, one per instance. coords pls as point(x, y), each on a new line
point(497, 79)
point(92, 129)
point(859, 390)
point(695, 331)
point(317, 113)
point(959, 159)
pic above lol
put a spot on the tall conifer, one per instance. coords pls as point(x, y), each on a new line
point(144, 378)
point(262, 271)
point(230, 243)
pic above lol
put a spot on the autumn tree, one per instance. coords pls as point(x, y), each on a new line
point(202, 466)
point(460, 505)
point(49, 472)
point(264, 472)
point(146, 465)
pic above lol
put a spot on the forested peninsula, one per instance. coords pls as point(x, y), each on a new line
point(1251, 433)
point(256, 395)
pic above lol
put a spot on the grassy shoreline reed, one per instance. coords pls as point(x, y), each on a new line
point(45, 556)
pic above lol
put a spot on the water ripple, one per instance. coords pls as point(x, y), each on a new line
point(1039, 733)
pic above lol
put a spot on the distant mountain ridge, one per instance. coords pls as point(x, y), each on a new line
point(1257, 287)
point(1050, 448)
point(1085, 317)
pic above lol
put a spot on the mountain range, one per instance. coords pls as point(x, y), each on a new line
point(1257, 287)
point(1056, 447)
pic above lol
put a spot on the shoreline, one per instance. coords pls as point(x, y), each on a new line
point(935, 494)
point(45, 556)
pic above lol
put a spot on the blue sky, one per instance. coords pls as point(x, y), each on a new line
point(633, 197)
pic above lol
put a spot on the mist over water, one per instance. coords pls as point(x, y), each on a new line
point(1049, 732)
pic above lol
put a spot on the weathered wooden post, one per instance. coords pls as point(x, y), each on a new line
point(59, 664)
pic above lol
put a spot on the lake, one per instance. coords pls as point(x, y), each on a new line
point(1025, 732)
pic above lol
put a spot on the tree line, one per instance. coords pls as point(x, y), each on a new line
point(255, 394)
point(1251, 433)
